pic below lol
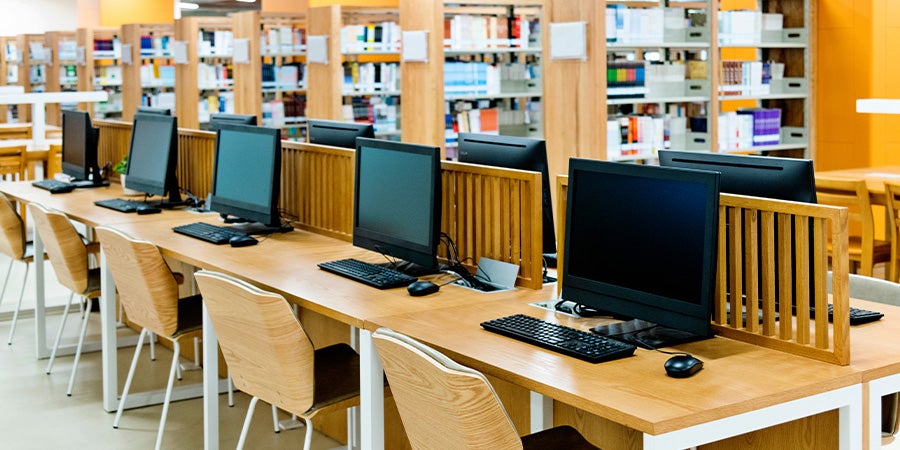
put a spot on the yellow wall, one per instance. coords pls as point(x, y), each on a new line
point(284, 6)
point(885, 67)
point(88, 13)
point(115, 13)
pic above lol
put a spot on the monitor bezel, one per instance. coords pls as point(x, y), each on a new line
point(216, 120)
point(153, 110)
point(88, 146)
point(154, 187)
point(268, 215)
point(337, 133)
point(422, 255)
point(692, 317)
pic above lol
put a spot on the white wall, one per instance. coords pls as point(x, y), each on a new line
point(37, 16)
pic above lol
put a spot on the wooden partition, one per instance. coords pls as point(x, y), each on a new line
point(195, 161)
point(317, 188)
point(115, 139)
point(764, 243)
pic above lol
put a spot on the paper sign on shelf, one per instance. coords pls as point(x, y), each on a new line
point(179, 52)
point(414, 46)
point(317, 49)
point(241, 51)
point(568, 40)
point(126, 54)
point(79, 55)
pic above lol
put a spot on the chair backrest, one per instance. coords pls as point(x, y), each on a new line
point(15, 131)
point(853, 195)
point(892, 210)
point(147, 289)
point(269, 354)
point(12, 161)
point(64, 247)
point(442, 404)
point(12, 230)
point(54, 160)
point(872, 289)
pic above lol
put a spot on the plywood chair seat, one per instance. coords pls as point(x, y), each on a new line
point(444, 404)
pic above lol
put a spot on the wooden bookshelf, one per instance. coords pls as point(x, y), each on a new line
point(324, 102)
point(96, 62)
point(7, 67)
point(134, 86)
point(187, 90)
point(31, 63)
point(61, 72)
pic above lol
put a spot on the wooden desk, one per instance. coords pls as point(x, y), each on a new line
point(742, 387)
point(874, 177)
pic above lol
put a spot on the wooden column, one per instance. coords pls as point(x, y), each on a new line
point(52, 70)
point(324, 81)
point(187, 92)
point(248, 76)
point(422, 116)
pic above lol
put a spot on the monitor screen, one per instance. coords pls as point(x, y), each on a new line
point(758, 176)
point(79, 150)
point(514, 153)
point(247, 173)
point(153, 156)
point(338, 134)
point(397, 206)
point(217, 119)
point(152, 110)
point(641, 242)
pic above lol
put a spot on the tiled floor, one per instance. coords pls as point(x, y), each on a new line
point(36, 414)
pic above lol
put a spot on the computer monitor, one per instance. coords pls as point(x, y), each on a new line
point(79, 147)
point(397, 208)
point(514, 153)
point(153, 157)
point(641, 243)
point(217, 119)
point(152, 110)
point(338, 134)
point(790, 179)
point(247, 175)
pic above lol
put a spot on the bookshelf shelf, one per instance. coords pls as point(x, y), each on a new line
point(645, 100)
point(506, 95)
point(391, 93)
point(647, 45)
point(488, 50)
point(193, 101)
point(726, 98)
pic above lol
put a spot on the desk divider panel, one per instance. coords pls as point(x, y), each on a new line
point(196, 150)
point(750, 250)
point(115, 138)
point(495, 213)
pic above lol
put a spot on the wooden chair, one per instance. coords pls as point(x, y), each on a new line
point(892, 210)
point(68, 255)
point(13, 244)
point(446, 405)
point(865, 250)
point(15, 131)
point(148, 291)
point(12, 162)
point(54, 161)
point(272, 358)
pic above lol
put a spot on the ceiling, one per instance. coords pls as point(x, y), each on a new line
point(219, 7)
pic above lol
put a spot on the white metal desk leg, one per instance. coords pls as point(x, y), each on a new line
point(40, 318)
point(851, 436)
point(371, 401)
point(210, 384)
point(108, 337)
point(541, 412)
point(878, 388)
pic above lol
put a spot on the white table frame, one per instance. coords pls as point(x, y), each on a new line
point(38, 102)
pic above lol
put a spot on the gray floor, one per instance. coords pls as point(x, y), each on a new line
point(36, 414)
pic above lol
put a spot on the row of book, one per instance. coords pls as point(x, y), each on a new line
point(214, 76)
point(746, 26)
point(748, 77)
point(68, 75)
point(665, 72)
point(642, 25)
point(752, 127)
point(288, 76)
point(11, 52)
point(156, 46)
point(371, 77)
point(636, 135)
point(110, 108)
point(373, 37)
point(108, 48)
point(466, 32)
point(485, 116)
point(222, 102)
point(67, 50)
point(382, 112)
point(155, 75)
point(287, 112)
point(626, 79)
point(165, 100)
point(282, 41)
point(479, 78)
point(215, 43)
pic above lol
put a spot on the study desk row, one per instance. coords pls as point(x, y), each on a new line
point(742, 387)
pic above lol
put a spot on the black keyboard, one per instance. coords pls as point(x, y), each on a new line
point(366, 273)
point(569, 341)
point(209, 233)
point(857, 316)
point(122, 205)
point(54, 186)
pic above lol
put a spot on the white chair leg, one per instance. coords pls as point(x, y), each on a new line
point(307, 441)
point(59, 333)
point(165, 410)
point(152, 346)
point(12, 329)
point(178, 371)
point(240, 444)
point(275, 418)
point(134, 362)
point(84, 323)
point(230, 389)
point(6, 280)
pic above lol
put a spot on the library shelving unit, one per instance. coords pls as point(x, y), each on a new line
point(9, 70)
point(99, 68)
point(658, 95)
point(272, 84)
point(33, 61)
point(203, 80)
point(766, 74)
point(148, 76)
point(360, 82)
point(61, 72)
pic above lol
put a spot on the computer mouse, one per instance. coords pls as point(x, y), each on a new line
point(242, 241)
point(420, 288)
point(147, 210)
point(682, 366)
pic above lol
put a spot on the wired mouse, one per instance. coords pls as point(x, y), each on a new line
point(242, 241)
point(420, 288)
point(682, 366)
point(147, 210)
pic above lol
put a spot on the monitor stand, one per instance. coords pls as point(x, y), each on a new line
point(411, 269)
point(259, 228)
point(646, 334)
point(88, 183)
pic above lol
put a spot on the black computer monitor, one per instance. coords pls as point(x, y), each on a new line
point(247, 176)
point(79, 147)
point(152, 110)
point(514, 153)
point(397, 208)
point(153, 157)
point(338, 134)
point(217, 119)
point(641, 243)
point(758, 176)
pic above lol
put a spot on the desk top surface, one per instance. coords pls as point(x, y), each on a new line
point(874, 176)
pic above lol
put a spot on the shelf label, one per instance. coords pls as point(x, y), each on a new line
point(241, 51)
point(568, 40)
point(179, 52)
point(414, 46)
point(317, 49)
